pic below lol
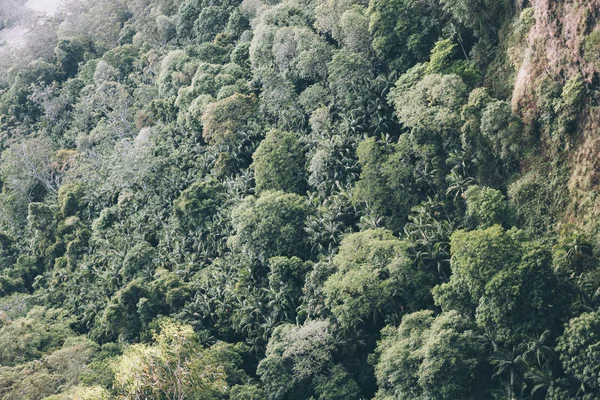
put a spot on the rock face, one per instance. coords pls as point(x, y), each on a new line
point(559, 45)
point(558, 62)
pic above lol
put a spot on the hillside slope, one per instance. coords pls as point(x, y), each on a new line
point(301, 199)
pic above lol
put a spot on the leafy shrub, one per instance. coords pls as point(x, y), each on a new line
point(487, 207)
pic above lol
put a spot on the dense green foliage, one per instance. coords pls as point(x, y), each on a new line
point(298, 200)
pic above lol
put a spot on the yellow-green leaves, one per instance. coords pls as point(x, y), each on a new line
point(174, 367)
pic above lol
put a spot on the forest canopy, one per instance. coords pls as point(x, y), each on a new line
point(299, 200)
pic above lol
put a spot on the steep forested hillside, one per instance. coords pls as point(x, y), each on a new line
point(300, 199)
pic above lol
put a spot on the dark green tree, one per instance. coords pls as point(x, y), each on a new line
point(279, 163)
point(506, 282)
point(374, 281)
point(404, 31)
point(432, 357)
point(272, 225)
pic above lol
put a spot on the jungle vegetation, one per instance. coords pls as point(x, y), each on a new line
point(300, 200)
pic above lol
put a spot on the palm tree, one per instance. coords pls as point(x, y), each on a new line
point(509, 369)
point(539, 350)
point(429, 230)
point(458, 183)
point(579, 253)
point(541, 377)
